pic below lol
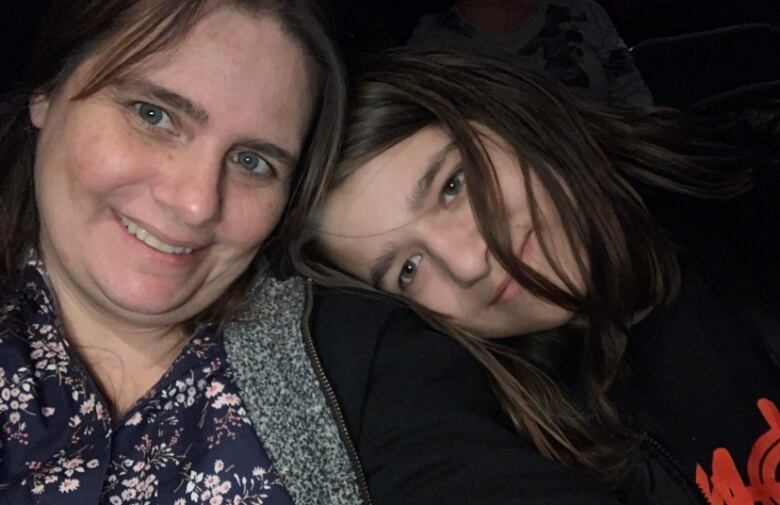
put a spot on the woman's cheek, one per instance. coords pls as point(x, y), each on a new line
point(251, 214)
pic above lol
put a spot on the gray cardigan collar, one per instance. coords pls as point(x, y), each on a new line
point(283, 396)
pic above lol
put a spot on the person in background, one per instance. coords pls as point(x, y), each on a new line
point(573, 41)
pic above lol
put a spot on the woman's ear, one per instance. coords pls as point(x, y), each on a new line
point(39, 109)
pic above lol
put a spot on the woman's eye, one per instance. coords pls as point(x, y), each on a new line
point(253, 163)
point(453, 187)
point(408, 271)
point(154, 115)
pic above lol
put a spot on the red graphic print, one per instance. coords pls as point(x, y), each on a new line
point(726, 487)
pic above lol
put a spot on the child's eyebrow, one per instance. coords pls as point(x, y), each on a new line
point(423, 186)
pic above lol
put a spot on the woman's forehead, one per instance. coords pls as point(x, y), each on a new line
point(243, 71)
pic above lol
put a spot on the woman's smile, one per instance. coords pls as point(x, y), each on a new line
point(156, 250)
point(153, 241)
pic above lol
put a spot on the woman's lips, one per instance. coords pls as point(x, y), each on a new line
point(189, 253)
point(509, 288)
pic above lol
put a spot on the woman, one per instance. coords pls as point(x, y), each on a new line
point(145, 164)
point(555, 274)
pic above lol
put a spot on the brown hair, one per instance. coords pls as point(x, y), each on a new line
point(588, 158)
point(127, 32)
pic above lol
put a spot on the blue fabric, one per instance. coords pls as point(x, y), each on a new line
point(188, 440)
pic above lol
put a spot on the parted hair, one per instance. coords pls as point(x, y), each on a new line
point(123, 33)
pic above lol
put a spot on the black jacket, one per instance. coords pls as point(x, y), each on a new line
point(428, 429)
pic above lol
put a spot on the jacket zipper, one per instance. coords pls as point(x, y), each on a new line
point(665, 453)
point(330, 395)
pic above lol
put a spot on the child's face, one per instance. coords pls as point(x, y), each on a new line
point(403, 223)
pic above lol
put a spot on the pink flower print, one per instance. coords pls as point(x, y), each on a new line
point(69, 485)
point(38, 488)
point(135, 420)
point(93, 463)
point(129, 494)
point(73, 463)
point(88, 406)
point(219, 465)
point(100, 411)
point(229, 399)
point(47, 411)
point(214, 389)
point(211, 481)
point(130, 482)
point(224, 487)
point(216, 500)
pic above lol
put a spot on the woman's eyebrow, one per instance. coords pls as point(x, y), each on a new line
point(199, 115)
point(171, 98)
point(424, 183)
point(283, 156)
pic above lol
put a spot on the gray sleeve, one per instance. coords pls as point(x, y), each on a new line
point(625, 83)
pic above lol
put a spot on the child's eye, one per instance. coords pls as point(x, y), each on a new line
point(153, 115)
point(253, 163)
point(453, 187)
point(408, 271)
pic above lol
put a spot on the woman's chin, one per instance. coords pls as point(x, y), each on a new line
point(149, 299)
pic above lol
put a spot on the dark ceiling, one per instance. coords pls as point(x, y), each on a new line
point(373, 24)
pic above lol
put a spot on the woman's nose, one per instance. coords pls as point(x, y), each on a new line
point(190, 186)
point(461, 251)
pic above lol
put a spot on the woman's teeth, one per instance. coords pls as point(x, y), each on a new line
point(150, 240)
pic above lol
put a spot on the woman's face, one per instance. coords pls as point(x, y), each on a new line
point(156, 192)
point(403, 223)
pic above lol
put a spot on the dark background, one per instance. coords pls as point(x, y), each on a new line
point(366, 25)
point(635, 19)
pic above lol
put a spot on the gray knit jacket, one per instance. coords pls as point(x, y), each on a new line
point(288, 398)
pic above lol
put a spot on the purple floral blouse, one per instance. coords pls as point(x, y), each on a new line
point(187, 441)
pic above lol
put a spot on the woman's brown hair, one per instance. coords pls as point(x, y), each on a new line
point(590, 159)
point(123, 34)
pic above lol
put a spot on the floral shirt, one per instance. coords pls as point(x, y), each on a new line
point(187, 440)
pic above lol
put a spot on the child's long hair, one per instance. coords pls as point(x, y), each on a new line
point(589, 159)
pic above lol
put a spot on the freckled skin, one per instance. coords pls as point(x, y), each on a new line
point(96, 160)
